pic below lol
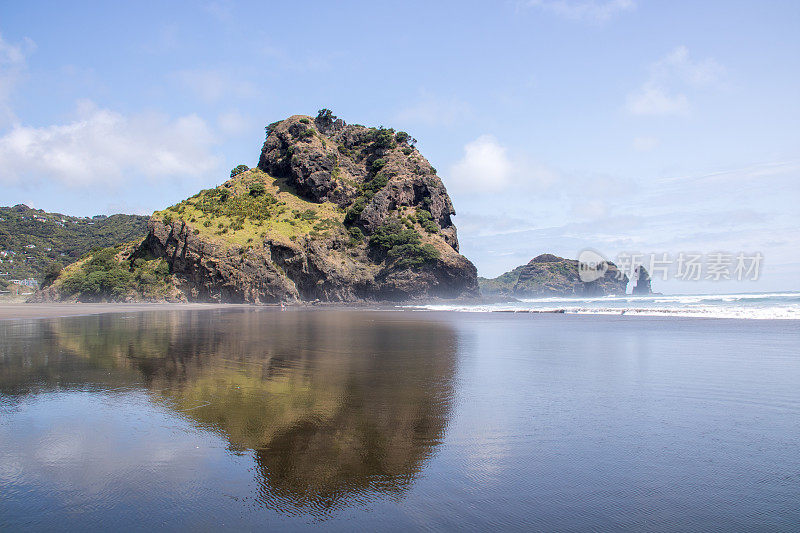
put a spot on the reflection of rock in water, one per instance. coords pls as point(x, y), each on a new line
point(339, 406)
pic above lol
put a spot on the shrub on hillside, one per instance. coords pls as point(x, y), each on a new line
point(402, 245)
point(382, 138)
point(425, 220)
point(355, 210)
point(377, 183)
point(105, 277)
point(257, 189)
point(239, 169)
point(378, 164)
point(51, 273)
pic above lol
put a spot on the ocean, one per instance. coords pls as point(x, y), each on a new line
point(767, 306)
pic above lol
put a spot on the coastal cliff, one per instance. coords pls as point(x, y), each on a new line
point(549, 275)
point(333, 212)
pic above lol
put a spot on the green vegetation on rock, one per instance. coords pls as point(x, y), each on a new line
point(113, 274)
point(402, 245)
point(252, 206)
point(425, 220)
point(549, 275)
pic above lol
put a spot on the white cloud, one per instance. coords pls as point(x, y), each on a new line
point(12, 70)
point(484, 167)
point(678, 65)
point(105, 147)
point(663, 93)
point(591, 10)
point(212, 85)
point(487, 167)
point(233, 123)
point(644, 144)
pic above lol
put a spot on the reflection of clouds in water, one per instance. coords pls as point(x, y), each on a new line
point(86, 447)
point(487, 456)
point(10, 466)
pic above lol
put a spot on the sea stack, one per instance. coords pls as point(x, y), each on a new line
point(642, 287)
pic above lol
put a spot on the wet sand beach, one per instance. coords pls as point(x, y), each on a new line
point(12, 311)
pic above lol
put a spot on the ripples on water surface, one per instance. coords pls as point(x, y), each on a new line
point(248, 419)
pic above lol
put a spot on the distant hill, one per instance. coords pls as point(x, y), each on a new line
point(549, 275)
point(32, 238)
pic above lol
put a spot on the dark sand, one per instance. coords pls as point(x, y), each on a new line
point(10, 311)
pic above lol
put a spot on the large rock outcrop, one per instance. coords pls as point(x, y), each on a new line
point(333, 212)
point(549, 275)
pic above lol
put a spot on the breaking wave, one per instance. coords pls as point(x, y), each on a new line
point(763, 306)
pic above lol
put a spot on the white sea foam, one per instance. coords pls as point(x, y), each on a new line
point(759, 306)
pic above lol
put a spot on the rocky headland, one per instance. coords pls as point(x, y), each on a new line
point(333, 213)
point(549, 275)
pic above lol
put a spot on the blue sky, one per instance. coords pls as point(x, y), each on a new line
point(557, 125)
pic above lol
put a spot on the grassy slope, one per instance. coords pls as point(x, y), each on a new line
point(242, 219)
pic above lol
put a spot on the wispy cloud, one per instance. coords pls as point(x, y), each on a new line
point(585, 10)
point(13, 63)
point(663, 93)
point(742, 209)
point(109, 148)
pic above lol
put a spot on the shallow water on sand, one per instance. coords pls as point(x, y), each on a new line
point(254, 419)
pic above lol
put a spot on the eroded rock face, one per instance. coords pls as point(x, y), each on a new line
point(333, 162)
point(287, 272)
point(550, 275)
